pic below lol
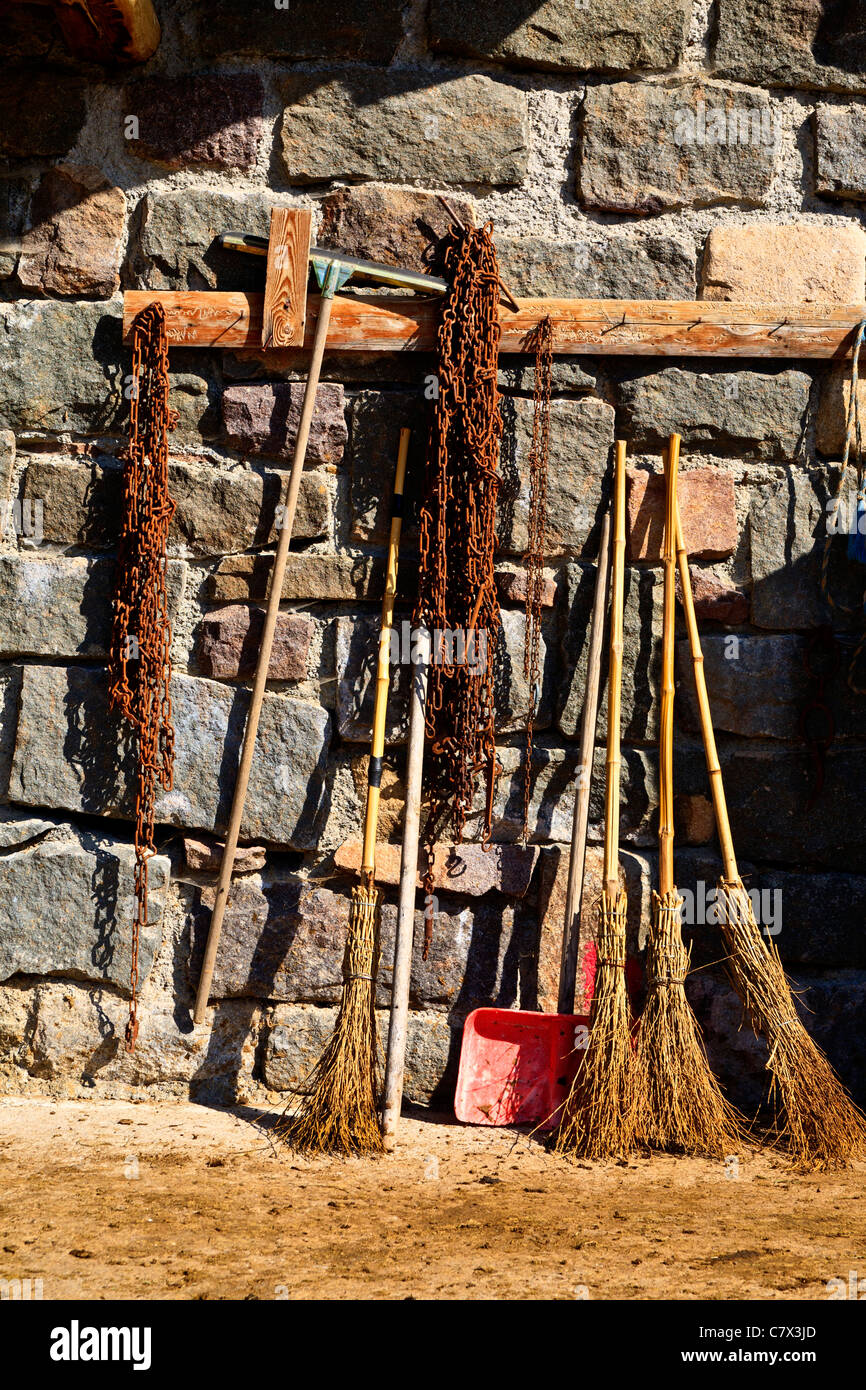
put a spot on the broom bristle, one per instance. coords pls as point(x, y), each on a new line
point(678, 1102)
point(339, 1112)
point(821, 1124)
point(597, 1117)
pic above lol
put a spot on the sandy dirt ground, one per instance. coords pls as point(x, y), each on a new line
point(135, 1201)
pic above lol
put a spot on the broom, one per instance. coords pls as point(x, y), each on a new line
point(597, 1117)
point(339, 1112)
point(823, 1128)
point(678, 1102)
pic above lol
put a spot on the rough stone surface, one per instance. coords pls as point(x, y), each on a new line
point(284, 939)
point(468, 869)
point(397, 226)
point(67, 908)
point(810, 44)
point(41, 112)
point(635, 878)
point(511, 586)
point(66, 755)
point(709, 513)
point(763, 412)
point(377, 417)
point(601, 37)
point(581, 436)
point(212, 120)
point(694, 820)
point(833, 405)
point(263, 418)
point(206, 856)
point(301, 1033)
point(357, 651)
point(640, 660)
point(757, 685)
point(218, 510)
point(717, 601)
point(61, 605)
point(787, 264)
point(14, 198)
point(77, 224)
point(366, 34)
point(374, 124)
point(787, 530)
point(244, 578)
point(641, 151)
point(645, 267)
point(228, 644)
point(176, 235)
point(7, 465)
point(840, 149)
point(61, 367)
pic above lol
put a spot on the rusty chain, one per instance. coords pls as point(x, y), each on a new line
point(140, 656)
point(533, 560)
point(457, 597)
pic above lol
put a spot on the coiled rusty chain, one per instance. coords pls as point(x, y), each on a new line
point(140, 656)
point(533, 560)
point(457, 597)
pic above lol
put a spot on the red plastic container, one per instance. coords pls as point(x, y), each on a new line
point(516, 1066)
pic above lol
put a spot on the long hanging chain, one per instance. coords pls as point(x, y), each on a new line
point(457, 592)
point(140, 657)
point(536, 542)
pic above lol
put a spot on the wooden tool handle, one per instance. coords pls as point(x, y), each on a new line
point(666, 729)
point(574, 895)
point(717, 789)
point(265, 648)
point(614, 699)
point(383, 669)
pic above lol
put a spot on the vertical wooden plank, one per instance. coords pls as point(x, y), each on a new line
point(285, 308)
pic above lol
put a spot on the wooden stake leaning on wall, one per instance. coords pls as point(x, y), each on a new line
point(596, 1120)
point(580, 824)
point(822, 1126)
point(678, 1102)
point(339, 1111)
point(533, 559)
point(398, 1027)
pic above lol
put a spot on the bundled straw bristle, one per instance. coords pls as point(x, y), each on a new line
point(338, 1114)
point(597, 1118)
point(822, 1126)
point(678, 1103)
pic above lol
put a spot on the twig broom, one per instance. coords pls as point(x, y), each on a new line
point(596, 1120)
point(339, 1113)
point(823, 1128)
point(678, 1102)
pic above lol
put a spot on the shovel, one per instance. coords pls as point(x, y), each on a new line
point(517, 1066)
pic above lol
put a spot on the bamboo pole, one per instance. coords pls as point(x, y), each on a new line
point(666, 732)
point(577, 862)
point(398, 1026)
point(614, 706)
point(264, 660)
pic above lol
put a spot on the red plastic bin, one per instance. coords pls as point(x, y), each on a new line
point(516, 1066)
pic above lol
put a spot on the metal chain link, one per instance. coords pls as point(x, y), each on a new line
point(533, 560)
point(140, 655)
point(457, 590)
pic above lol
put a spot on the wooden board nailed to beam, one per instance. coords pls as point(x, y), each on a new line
point(602, 327)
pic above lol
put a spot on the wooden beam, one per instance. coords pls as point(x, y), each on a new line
point(106, 31)
point(285, 309)
point(598, 327)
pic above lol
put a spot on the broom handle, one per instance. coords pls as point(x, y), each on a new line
point(614, 702)
point(398, 1027)
point(574, 894)
point(720, 807)
point(383, 670)
point(666, 729)
point(264, 660)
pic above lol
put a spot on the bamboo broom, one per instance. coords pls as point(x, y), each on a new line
point(597, 1117)
point(678, 1102)
point(339, 1112)
point(822, 1126)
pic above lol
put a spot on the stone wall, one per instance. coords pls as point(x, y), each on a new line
point(679, 150)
